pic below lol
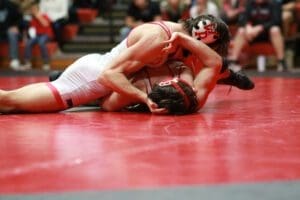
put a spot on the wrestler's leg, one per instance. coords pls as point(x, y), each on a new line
point(35, 98)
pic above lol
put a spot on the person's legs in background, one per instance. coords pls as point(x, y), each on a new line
point(58, 27)
point(277, 41)
point(124, 31)
point(28, 52)
point(42, 42)
point(13, 41)
point(238, 43)
point(288, 10)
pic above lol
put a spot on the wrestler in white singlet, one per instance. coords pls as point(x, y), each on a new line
point(78, 84)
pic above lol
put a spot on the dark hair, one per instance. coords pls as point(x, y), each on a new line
point(222, 43)
point(180, 99)
point(170, 97)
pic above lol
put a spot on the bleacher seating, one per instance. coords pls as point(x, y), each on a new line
point(86, 15)
point(70, 31)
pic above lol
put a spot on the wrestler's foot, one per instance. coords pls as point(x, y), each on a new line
point(237, 79)
point(54, 75)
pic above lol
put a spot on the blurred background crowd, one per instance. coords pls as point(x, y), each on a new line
point(32, 30)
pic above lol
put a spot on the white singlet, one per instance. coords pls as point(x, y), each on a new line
point(78, 83)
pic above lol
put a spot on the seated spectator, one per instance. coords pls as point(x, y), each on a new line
point(201, 7)
point(72, 12)
point(23, 6)
point(175, 10)
point(10, 18)
point(39, 32)
point(260, 22)
point(140, 11)
point(83, 3)
point(232, 10)
point(57, 11)
point(103, 6)
point(74, 5)
point(26, 16)
point(288, 11)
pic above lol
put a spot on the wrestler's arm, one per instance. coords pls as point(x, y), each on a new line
point(128, 62)
point(203, 52)
point(206, 79)
point(204, 83)
point(116, 101)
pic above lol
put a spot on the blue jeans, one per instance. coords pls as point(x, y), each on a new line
point(124, 32)
point(41, 40)
point(13, 41)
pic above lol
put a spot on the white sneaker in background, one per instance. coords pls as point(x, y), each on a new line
point(14, 64)
point(25, 67)
point(46, 67)
point(281, 66)
point(235, 67)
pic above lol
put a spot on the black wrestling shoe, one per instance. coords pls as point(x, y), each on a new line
point(54, 75)
point(237, 79)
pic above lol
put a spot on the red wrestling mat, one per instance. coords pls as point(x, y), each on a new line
point(244, 137)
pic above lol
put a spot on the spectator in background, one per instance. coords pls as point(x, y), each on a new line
point(40, 32)
point(23, 7)
point(288, 11)
point(83, 3)
point(103, 6)
point(74, 5)
point(201, 7)
point(10, 18)
point(261, 22)
point(140, 11)
point(232, 10)
point(57, 11)
point(72, 12)
point(175, 10)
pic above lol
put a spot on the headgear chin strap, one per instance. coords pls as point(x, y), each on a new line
point(205, 31)
point(174, 83)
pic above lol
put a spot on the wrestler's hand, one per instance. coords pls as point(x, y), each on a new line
point(153, 107)
point(171, 44)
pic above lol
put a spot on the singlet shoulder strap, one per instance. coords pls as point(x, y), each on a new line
point(163, 26)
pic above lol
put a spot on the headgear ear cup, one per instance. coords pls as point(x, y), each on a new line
point(176, 95)
point(190, 93)
point(205, 30)
point(219, 41)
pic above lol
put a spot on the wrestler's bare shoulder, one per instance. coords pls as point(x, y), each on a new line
point(151, 30)
point(146, 31)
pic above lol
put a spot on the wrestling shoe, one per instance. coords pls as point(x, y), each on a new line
point(237, 79)
point(54, 75)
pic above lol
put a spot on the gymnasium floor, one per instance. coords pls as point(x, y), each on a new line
point(241, 145)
